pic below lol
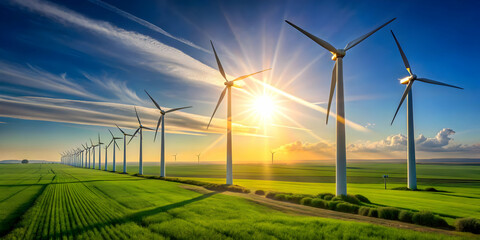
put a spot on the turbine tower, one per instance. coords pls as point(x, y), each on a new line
point(124, 148)
point(139, 129)
point(106, 156)
point(114, 140)
point(273, 153)
point(99, 153)
point(162, 120)
point(198, 158)
point(337, 81)
point(411, 162)
point(228, 88)
point(93, 152)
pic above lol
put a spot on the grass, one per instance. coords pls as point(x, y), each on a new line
point(74, 203)
point(459, 185)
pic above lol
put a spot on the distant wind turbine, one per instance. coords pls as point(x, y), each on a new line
point(93, 152)
point(337, 80)
point(106, 155)
point(114, 140)
point(411, 163)
point(85, 155)
point(273, 153)
point(99, 153)
point(175, 156)
point(124, 148)
point(228, 90)
point(198, 158)
point(162, 120)
point(139, 129)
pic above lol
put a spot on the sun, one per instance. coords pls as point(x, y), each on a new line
point(264, 106)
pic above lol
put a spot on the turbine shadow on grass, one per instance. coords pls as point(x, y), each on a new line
point(136, 217)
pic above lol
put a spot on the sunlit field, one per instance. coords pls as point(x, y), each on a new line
point(459, 184)
point(62, 202)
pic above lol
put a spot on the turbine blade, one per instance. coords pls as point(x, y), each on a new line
point(156, 104)
point(117, 146)
point(426, 80)
point(322, 43)
point(120, 129)
point(404, 58)
point(133, 135)
point(109, 144)
point(158, 124)
point(220, 68)
point(91, 141)
point(147, 128)
point(332, 89)
point(136, 113)
point(246, 76)
point(111, 133)
point(218, 103)
point(407, 89)
point(360, 39)
point(175, 109)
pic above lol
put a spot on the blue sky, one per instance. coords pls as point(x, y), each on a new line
point(70, 69)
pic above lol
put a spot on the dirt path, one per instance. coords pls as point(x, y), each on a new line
point(297, 209)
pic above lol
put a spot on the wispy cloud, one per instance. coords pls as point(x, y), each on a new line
point(107, 114)
point(117, 88)
point(155, 55)
point(35, 77)
point(144, 23)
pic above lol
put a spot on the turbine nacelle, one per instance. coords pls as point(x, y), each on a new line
point(339, 54)
point(408, 79)
point(228, 83)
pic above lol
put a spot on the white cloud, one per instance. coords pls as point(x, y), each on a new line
point(107, 114)
point(155, 55)
point(442, 142)
point(298, 146)
point(144, 23)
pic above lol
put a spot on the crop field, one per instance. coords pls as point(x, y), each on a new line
point(459, 184)
point(51, 201)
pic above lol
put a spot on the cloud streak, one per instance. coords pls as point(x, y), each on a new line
point(144, 23)
point(155, 55)
point(107, 114)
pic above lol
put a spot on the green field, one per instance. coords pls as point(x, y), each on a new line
point(460, 183)
point(56, 201)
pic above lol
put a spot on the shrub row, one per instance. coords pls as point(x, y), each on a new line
point(210, 186)
point(468, 225)
point(351, 204)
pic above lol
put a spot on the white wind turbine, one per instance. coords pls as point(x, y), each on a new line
point(124, 148)
point(99, 153)
point(106, 156)
point(273, 153)
point(114, 140)
point(162, 120)
point(198, 158)
point(85, 155)
point(337, 80)
point(228, 90)
point(175, 156)
point(93, 153)
point(411, 163)
point(139, 129)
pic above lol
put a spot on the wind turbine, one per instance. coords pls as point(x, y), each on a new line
point(124, 148)
point(228, 90)
point(140, 128)
point(411, 163)
point(114, 140)
point(106, 156)
point(198, 158)
point(93, 152)
point(337, 80)
point(273, 153)
point(85, 155)
point(99, 153)
point(162, 120)
point(175, 155)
